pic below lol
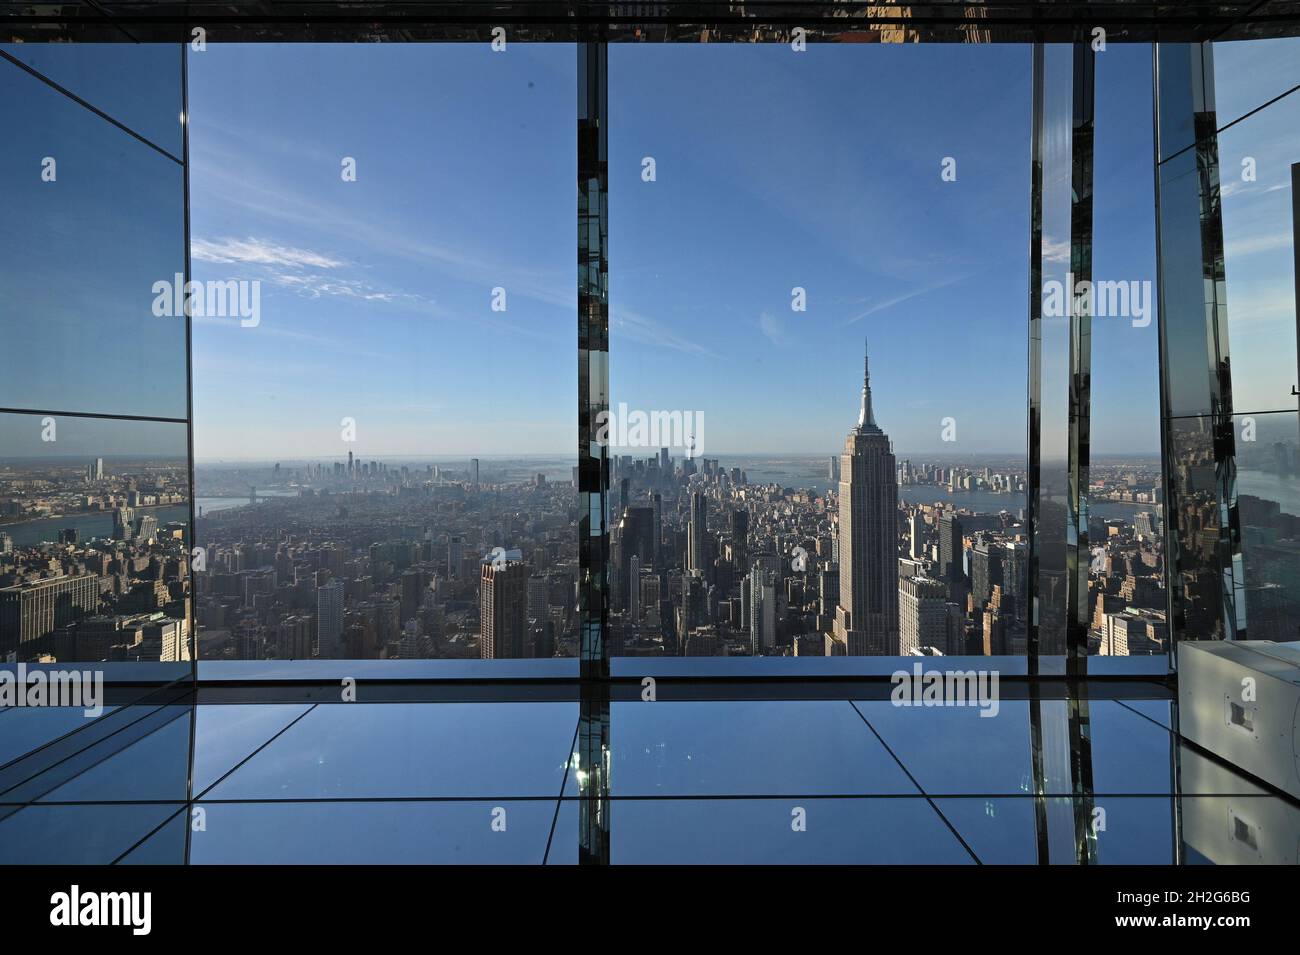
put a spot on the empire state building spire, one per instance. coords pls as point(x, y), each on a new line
point(866, 419)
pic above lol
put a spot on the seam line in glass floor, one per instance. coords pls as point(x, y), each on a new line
point(568, 762)
point(907, 772)
point(232, 769)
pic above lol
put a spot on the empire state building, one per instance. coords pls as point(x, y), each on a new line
point(866, 619)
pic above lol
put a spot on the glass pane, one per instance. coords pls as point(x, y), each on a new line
point(862, 831)
point(385, 451)
point(94, 517)
point(1268, 508)
point(764, 227)
point(1125, 507)
point(1249, 73)
point(412, 750)
point(138, 84)
point(713, 749)
point(497, 832)
point(1054, 377)
point(79, 834)
point(91, 244)
point(1258, 161)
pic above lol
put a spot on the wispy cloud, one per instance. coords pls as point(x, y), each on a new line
point(252, 251)
point(773, 329)
point(906, 296)
point(1257, 243)
point(647, 331)
point(1056, 250)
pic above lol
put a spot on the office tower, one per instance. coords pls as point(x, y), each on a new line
point(694, 610)
point(503, 609)
point(624, 496)
point(740, 538)
point(413, 583)
point(1002, 632)
point(986, 561)
point(351, 464)
point(329, 620)
point(833, 474)
point(30, 613)
point(537, 593)
point(866, 620)
point(657, 535)
point(6, 544)
point(828, 589)
point(696, 548)
point(665, 462)
point(146, 528)
point(762, 610)
point(473, 472)
point(746, 601)
point(649, 599)
point(922, 614)
point(455, 555)
point(123, 523)
point(634, 589)
point(633, 536)
point(916, 536)
point(951, 556)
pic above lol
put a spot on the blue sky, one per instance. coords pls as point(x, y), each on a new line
point(376, 294)
point(774, 170)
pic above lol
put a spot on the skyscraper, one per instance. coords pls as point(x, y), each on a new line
point(916, 534)
point(455, 554)
point(952, 557)
point(923, 614)
point(696, 548)
point(867, 617)
point(329, 619)
point(740, 537)
point(503, 609)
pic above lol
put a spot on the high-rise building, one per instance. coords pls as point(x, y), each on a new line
point(951, 554)
point(697, 551)
point(123, 523)
point(986, 560)
point(867, 617)
point(329, 619)
point(916, 536)
point(455, 555)
point(537, 597)
point(473, 471)
point(503, 609)
point(740, 538)
point(30, 613)
point(922, 615)
point(763, 609)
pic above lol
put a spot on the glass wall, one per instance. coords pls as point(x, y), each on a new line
point(1127, 600)
point(817, 360)
point(94, 439)
point(1258, 116)
point(385, 430)
point(1227, 245)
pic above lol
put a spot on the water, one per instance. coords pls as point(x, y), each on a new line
point(1271, 487)
point(87, 526)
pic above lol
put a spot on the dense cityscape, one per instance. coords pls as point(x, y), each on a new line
point(366, 559)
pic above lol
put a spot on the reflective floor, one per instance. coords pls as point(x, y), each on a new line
point(757, 781)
